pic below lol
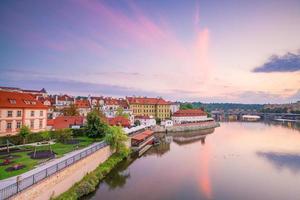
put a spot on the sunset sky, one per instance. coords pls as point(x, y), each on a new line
point(210, 51)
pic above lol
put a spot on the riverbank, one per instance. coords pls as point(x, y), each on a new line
point(186, 127)
point(90, 181)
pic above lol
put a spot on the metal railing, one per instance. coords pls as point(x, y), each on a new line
point(27, 182)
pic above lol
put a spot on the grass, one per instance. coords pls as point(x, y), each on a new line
point(90, 181)
point(59, 148)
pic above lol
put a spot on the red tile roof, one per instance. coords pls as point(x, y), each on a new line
point(65, 121)
point(143, 135)
point(146, 100)
point(19, 100)
point(84, 103)
point(119, 120)
point(189, 112)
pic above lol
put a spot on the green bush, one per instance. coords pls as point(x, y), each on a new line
point(34, 137)
point(63, 135)
point(89, 183)
point(79, 132)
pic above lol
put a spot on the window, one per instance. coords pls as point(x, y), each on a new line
point(12, 101)
point(18, 124)
point(41, 124)
point(32, 113)
point(9, 113)
point(41, 113)
point(31, 124)
point(19, 113)
point(8, 125)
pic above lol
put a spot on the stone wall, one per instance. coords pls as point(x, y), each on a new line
point(63, 180)
point(160, 129)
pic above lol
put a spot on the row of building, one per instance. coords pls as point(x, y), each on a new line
point(40, 111)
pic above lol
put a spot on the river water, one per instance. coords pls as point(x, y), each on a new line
point(247, 161)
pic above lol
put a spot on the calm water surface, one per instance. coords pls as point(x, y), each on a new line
point(235, 161)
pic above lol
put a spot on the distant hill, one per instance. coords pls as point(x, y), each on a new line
point(220, 106)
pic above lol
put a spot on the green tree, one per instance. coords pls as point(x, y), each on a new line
point(95, 127)
point(72, 110)
point(116, 138)
point(186, 106)
point(24, 132)
point(120, 112)
point(63, 135)
point(100, 114)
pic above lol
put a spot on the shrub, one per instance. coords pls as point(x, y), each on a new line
point(79, 132)
point(63, 135)
point(34, 137)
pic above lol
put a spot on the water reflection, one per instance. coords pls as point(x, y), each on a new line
point(119, 175)
point(282, 160)
point(231, 163)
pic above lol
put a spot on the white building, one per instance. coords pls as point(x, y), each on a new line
point(174, 107)
point(167, 123)
point(190, 116)
point(146, 120)
point(17, 109)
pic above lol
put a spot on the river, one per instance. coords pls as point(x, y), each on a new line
point(238, 160)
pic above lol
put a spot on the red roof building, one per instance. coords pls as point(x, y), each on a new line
point(18, 109)
point(119, 121)
point(62, 122)
point(190, 116)
point(189, 112)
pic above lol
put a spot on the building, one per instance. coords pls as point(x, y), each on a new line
point(63, 101)
point(144, 106)
point(62, 122)
point(167, 123)
point(190, 116)
point(83, 106)
point(145, 120)
point(17, 109)
point(119, 121)
point(174, 107)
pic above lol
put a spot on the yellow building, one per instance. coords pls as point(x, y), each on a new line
point(143, 106)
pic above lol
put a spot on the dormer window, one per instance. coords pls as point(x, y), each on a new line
point(12, 101)
point(33, 102)
point(26, 102)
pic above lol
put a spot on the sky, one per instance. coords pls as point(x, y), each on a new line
point(188, 50)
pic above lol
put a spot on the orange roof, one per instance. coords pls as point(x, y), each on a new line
point(189, 112)
point(82, 103)
point(19, 100)
point(119, 120)
point(143, 135)
point(146, 100)
point(65, 121)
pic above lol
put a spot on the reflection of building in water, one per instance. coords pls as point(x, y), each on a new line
point(161, 149)
point(187, 140)
point(183, 138)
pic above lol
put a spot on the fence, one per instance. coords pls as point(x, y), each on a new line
point(25, 183)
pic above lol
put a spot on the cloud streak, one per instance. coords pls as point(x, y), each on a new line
point(290, 62)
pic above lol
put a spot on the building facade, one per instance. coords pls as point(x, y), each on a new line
point(155, 107)
point(190, 116)
point(18, 109)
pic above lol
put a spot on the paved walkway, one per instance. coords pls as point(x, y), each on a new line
point(9, 181)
